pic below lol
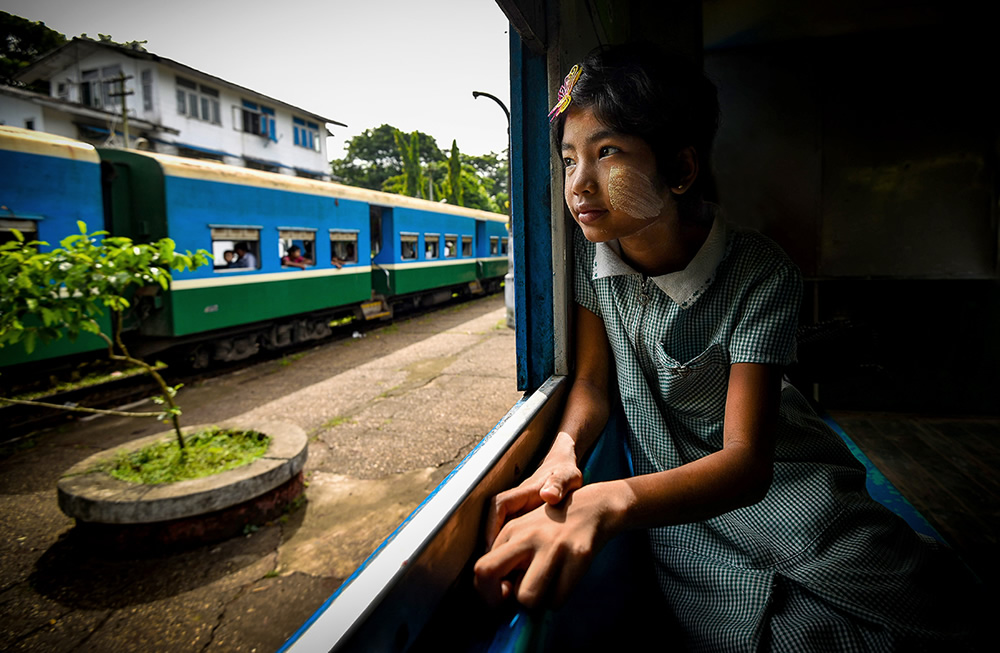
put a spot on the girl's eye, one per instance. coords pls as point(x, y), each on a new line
point(608, 150)
point(568, 162)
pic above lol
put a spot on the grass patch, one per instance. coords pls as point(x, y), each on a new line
point(336, 421)
point(207, 452)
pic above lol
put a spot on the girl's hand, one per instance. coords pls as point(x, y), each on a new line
point(555, 478)
point(540, 556)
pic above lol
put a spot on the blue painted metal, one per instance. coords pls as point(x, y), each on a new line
point(54, 192)
point(882, 490)
point(530, 206)
point(194, 204)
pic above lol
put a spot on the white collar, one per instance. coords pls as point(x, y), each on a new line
point(683, 286)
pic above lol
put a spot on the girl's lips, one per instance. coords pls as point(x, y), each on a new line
point(586, 215)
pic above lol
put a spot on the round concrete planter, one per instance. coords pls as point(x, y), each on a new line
point(202, 509)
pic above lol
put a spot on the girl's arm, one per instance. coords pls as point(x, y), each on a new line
point(584, 416)
point(552, 545)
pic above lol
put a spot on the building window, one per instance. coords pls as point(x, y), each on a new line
point(494, 245)
point(236, 248)
point(62, 91)
point(255, 119)
point(257, 164)
point(147, 90)
point(450, 246)
point(198, 101)
point(408, 246)
point(466, 246)
point(87, 80)
point(28, 229)
point(29, 123)
point(306, 134)
point(297, 247)
point(343, 247)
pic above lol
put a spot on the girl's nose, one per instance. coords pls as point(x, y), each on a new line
point(585, 179)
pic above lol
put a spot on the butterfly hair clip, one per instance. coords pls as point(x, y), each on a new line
point(564, 92)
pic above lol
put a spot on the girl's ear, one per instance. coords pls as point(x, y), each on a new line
point(687, 170)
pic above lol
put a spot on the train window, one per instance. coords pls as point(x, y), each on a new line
point(503, 246)
point(450, 246)
point(466, 246)
point(408, 246)
point(494, 245)
point(298, 245)
point(28, 229)
point(236, 248)
point(432, 245)
point(343, 247)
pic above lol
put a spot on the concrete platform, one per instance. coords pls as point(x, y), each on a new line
point(387, 417)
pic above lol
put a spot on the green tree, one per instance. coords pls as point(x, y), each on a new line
point(493, 171)
point(372, 157)
point(456, 190)
point(22, 42)
point(413, 178)
point(44, 295)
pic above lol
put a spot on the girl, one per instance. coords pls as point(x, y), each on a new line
point(758, 521)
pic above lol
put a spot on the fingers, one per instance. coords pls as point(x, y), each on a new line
point(560, 482)
point(496, 573)
point(504, 505)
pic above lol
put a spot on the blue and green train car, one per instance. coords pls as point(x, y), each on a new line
point(33, 165)
point(362, 253)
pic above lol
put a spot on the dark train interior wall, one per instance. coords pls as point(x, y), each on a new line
point(865, 144)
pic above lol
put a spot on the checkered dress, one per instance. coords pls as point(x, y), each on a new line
point(817, 565)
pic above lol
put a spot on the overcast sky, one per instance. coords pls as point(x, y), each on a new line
point(413, 65)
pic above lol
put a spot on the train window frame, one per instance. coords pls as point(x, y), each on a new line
point(451, 245)
point(338, 236)
point(27, 227)
point(494, 245)
point(226, 237)
point(503, 247)
point(302, 237)
point(432, 247)
point(409, 238)
point(467, 247)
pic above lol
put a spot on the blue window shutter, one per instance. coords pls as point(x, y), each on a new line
point(296, 130)
point(271, 125)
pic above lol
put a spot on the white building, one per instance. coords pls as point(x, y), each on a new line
point(172, 108)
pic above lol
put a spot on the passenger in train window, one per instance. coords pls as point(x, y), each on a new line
point(295, 259)
point(760, 529)
point(230, 257)
point(245, 258)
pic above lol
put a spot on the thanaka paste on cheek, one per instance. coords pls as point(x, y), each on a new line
point(633, 193)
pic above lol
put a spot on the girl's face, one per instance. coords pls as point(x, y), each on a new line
point(611, 182)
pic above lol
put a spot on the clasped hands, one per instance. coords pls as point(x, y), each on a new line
point(542, 535)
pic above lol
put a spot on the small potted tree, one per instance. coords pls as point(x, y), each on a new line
point(61, 292)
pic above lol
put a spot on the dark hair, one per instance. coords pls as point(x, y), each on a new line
point(660, 96)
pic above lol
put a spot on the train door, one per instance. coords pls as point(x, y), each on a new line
point(382, 256)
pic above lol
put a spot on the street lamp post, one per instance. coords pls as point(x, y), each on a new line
point(509, 277)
